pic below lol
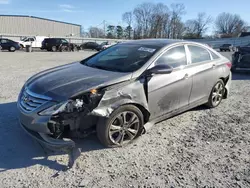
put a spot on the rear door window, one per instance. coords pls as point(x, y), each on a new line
point(198, 54)
point(214, 56)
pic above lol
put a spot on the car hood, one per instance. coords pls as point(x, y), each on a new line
point(63, 82)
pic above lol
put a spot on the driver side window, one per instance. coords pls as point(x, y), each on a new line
point(175, 57)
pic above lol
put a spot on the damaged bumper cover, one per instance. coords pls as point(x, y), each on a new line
point(37, 127)
point(49, 142)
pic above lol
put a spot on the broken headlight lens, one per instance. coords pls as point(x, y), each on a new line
point(67, 107)
point(51, 110)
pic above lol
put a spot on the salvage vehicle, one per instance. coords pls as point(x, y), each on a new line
point(34, 42)
point(58, 44)
point(91, 46)
point(122, 91)
point(241, 59)
point(10, 45)
point(226, 47)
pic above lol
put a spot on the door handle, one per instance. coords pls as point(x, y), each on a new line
point(186, 76)
point(214, 66)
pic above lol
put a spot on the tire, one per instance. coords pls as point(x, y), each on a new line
point(217, 94)
point(53, 49)
point(112, 136)
point(12, 49)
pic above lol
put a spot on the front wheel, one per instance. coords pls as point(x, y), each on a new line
point(12, 49)
point(121, 128)
point(54, 49)
point(216, 94)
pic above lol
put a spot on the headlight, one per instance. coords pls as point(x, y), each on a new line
point(52, 110)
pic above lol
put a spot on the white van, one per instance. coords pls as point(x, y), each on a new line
point(35, 42)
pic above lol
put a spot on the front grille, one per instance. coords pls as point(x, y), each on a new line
point(30, 101)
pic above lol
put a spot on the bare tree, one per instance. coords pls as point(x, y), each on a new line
point(95, 32)
point(178, 10)
point(195, 28)
point(142, 14)
point(159, 21)
point(229, 24)
point(127, 17)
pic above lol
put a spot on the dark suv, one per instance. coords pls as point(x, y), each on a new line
point(57, 44)
point(7, 44)
point(91, 46)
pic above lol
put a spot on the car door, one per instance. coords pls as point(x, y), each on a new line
point(204, 71)
point(244, 64)
point(169, 92)
point(5, 44)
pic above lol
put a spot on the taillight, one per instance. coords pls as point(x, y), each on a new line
point(229, 64)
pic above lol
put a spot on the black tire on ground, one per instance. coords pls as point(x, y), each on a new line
point(53, 49)
point(217, 94)
point(12, 49)
point(49, 50)
point(103, 125)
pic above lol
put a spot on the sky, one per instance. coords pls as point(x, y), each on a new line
point(93, 12)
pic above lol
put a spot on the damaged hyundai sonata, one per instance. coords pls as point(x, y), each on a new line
point(122, 91)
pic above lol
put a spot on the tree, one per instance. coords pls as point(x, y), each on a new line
point(111, 32)
point(95, 32)
point(119, 32)
point(177, 10)
point(128, 32)
point(195, 28)
point(159, 21)
point(127, 17)
point(229, 25)
point(142, 14)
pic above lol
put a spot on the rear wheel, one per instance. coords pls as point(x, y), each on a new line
point(121, 128)
point(216, 94)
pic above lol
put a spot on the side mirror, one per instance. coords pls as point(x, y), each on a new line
point(160, 69)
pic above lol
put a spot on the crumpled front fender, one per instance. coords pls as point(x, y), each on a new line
point(131, 93)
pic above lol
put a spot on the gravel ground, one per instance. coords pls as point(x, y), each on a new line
point(199, 148)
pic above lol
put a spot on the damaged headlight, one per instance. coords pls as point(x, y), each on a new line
point(68, 107)
point(87, 101)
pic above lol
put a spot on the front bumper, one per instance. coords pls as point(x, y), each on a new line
point(37, 127)
point(49, 142)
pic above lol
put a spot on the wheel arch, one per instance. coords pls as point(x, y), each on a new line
point(227, 82)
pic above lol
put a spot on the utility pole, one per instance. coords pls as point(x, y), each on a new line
point(104, 28)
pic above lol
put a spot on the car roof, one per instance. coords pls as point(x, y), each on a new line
point(155, 42)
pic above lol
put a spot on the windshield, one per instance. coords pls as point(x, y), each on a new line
point(122, 58)
point(23, 39)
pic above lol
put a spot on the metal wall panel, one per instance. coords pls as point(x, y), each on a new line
point(24, 25)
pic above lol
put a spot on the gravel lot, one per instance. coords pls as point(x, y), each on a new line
point(199, 148)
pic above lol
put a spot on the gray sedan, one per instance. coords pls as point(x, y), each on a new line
point(122, 91)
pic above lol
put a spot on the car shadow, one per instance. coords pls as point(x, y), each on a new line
point(241, 76)
point(18, 150)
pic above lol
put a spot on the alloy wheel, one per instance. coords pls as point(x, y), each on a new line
point(217, 94)
point(124, 128)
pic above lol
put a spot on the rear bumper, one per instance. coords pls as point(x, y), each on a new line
point(49, 142)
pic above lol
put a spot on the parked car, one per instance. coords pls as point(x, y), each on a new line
point(35, 42)
point(241, 59)
point(122, 91)
point(7, 44)
point(58, 44)
point(91, 46)
point(226, 47)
